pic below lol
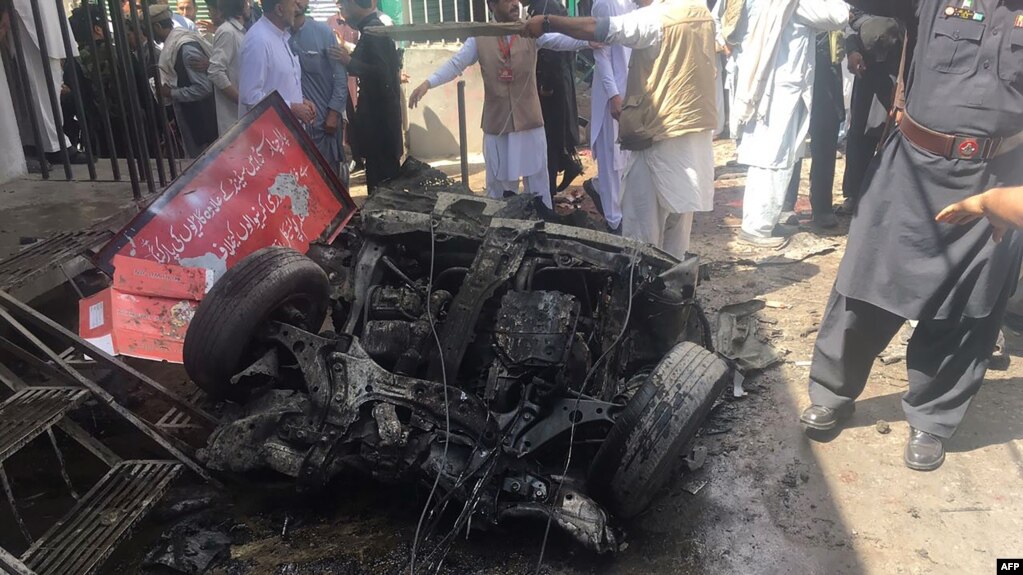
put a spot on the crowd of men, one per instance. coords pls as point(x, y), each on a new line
point(209, 73)
point(938, 86)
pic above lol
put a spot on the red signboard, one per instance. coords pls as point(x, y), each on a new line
point(261, 184)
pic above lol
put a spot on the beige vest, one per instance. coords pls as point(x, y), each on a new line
point(509, 106)
point(670, 90)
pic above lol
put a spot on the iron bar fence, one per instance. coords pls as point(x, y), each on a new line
point(100, 99)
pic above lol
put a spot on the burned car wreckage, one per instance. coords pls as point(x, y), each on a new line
point(520, 367)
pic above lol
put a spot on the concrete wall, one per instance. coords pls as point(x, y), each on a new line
point(433, 126)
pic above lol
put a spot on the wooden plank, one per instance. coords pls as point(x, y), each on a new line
point(446, 31)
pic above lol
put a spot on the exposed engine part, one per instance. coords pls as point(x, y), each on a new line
point(545, 376)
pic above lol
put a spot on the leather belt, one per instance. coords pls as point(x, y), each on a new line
point(954, 146)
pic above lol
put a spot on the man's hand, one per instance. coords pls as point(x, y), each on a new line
point(341, 54)
point(205, 26)
point(533, 27)
point(305, 111)
point(404, 77)
point(856, 65)
point(332, 122)
point(64, 90)
point(417, 94)
point(165, 91)
point(1003, 207)
point(615, 106)
point(199, 64)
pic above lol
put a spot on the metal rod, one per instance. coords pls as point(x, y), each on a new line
point(12, 564)
point(58, 120)
point(164, 124)
point(28, 96)
point(76, 89)
point(463, 144)
point(102, 452)
point(149, 118)
point(35, 361)
point(138, 119)
point(14, 506)
point(101, 90)
point(101, 394)
point(60, 462)
point(117, 55)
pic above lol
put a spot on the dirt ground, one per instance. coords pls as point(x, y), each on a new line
point(768, 500)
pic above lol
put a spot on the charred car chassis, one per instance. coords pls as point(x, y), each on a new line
point(520, 367)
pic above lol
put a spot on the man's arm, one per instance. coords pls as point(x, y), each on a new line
point(224, 48)
point(448, 71)
point(823, 15)
point(369, 58)
point(339, 95)
point(560, 43)
point(337, 104)
point(637, 29)
point(201, 85)
point(253, 61)
point(1002, 206)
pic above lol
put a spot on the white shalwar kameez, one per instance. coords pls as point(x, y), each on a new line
point(775, 138)
point(12, 158)
point(515, 155)
point(609, 75)
point(37, 69)
point(664, 184)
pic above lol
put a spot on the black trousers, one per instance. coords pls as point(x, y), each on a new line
point(381, 166)
point(946, 360)
point(825, 123)
point(870, 91)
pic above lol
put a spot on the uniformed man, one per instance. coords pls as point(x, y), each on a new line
point(958, 136)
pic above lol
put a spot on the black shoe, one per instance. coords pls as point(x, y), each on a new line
point(74, 157)
point(572, 171)
point(594, 195)
point(824, 418)
point(848, 207)
point(825, 221)
point(924, 452)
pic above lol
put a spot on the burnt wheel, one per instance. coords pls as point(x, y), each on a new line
point(644, 447)
point(274, 283)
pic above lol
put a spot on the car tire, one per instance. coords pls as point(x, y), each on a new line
point(219, 340)
point(644, 448)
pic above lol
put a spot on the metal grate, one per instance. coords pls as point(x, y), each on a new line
point(80, 542)
point(175, 419)
point(34, 263)
point(32, 411)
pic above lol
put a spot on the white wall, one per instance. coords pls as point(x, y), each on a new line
point(433, 126)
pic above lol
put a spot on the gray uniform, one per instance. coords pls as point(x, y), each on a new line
point(966, 79)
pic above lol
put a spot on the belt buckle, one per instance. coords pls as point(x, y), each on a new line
point(967, 148)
